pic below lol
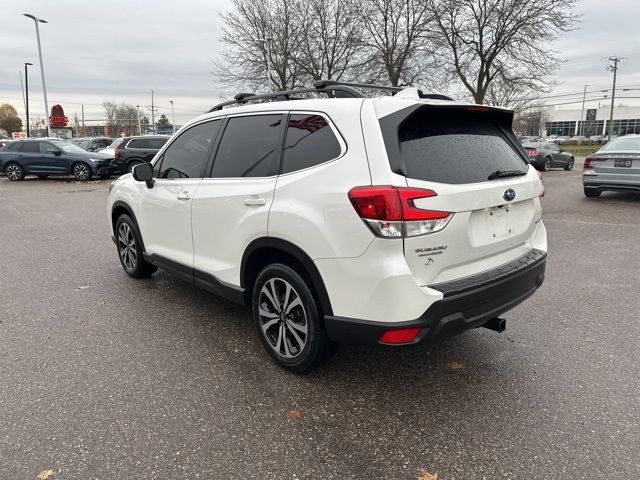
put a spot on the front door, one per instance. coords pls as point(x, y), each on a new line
point(165, 209)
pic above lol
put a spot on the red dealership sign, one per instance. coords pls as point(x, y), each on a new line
point(57, 118)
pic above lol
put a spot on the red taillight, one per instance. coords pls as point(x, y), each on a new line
point(588, 160)
point(477, 108)
point(400, 335)
point(532, 152)
point(391, 211)
point(116, 153)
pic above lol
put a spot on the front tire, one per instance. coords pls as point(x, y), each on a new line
point(14, 172)
point(130, 253)
point(591, 192)
point(288, 319)
point(81, 171)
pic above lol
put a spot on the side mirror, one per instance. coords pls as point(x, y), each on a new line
point(144, 173)
point(57, 153)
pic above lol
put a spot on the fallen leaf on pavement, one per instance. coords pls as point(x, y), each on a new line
point(294, 414)
point(425, 475)
point(456, 365)
point(83, 287)
point(45, 474)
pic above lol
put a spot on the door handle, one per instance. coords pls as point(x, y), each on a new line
point(183, 196)
point(255, 202)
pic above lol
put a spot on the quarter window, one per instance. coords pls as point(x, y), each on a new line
point(310, 141)
point(250, 147)
point(186, 156)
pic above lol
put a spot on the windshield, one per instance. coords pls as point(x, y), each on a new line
point(67, 147)
point(623, 144)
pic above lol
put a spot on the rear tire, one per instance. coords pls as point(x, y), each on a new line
point(130, 252)
point(81, 171)
point(547, 164)
point(569, 165)
point(291, 329)
point(591, 192)
point(14, 172)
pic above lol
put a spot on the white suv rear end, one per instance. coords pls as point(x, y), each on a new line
point(387, 220)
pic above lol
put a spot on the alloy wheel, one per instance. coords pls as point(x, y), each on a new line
point(13, 172)
point(81, 171)
point(127, 247)
point(282, 318)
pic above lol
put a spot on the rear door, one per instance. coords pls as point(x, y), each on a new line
point(460, 154)
point(231, 206)
point(30, 157)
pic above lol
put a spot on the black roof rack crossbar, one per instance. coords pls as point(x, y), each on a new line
point(332, 88)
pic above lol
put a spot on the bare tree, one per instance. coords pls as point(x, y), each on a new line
point(331, 39)
point(120, 118)
point(530, 121)
point(252, 30)
point(396, 39)
point(484, 41)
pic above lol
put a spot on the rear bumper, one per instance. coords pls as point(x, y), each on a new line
point(467, 303)
point(601, 183)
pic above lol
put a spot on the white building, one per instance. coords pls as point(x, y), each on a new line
point(567, 122)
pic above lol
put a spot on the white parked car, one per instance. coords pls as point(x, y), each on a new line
point(388, 220)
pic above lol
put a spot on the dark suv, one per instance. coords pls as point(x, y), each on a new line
point(92, 144)
point(133, 151)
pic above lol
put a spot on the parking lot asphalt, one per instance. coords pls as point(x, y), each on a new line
point(106, 377)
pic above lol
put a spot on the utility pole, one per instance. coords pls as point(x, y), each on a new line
point(613, 68)
point(173, 117)
point(584, 94)
point(139, 126)
point(153, 114)
point(83, 131)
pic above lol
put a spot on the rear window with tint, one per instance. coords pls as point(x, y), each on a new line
point(456, 146)
point(623, 144)
point(147, 143)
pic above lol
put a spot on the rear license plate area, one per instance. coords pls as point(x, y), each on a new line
point(622, 163)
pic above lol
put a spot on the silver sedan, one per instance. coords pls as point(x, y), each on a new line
point(616, 166)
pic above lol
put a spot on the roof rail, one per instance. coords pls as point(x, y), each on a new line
point(331, 88)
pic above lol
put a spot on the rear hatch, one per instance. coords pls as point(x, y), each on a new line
point(470, 158)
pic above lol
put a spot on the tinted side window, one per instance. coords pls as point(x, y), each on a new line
point(30, 147)
point(157, 143)
point(310, 141)
point(138, 143)
point(250, 147)
point(15, 147)
point(46, 147)
point(187, 155)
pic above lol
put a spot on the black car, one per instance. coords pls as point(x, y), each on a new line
point(51, 157)
point(544, 155)
point(92, 144)
point(133, 151)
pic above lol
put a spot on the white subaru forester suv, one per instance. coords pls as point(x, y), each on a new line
point(390, 220)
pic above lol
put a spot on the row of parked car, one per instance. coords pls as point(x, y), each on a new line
point(84, 158)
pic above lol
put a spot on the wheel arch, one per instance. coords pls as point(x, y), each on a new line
point(263, 251)
point(119, 208)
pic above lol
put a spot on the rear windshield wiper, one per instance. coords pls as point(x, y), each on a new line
point(505, 174)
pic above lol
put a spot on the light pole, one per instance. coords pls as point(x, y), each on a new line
point(139, 126)
point(173, 116)
point(614, 69)
point(153, 114)
point(26, 85)
point(584, 94)
point(37, 20)
point(266, 41)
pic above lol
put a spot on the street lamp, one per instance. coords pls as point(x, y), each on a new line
point(266, 41)
point(37, 20)
point(173, 116)
point(26, 84)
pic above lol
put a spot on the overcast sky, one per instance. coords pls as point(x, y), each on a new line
point(118, 50)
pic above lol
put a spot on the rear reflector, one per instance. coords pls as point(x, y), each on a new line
point(400, 335)
point(391, 211)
